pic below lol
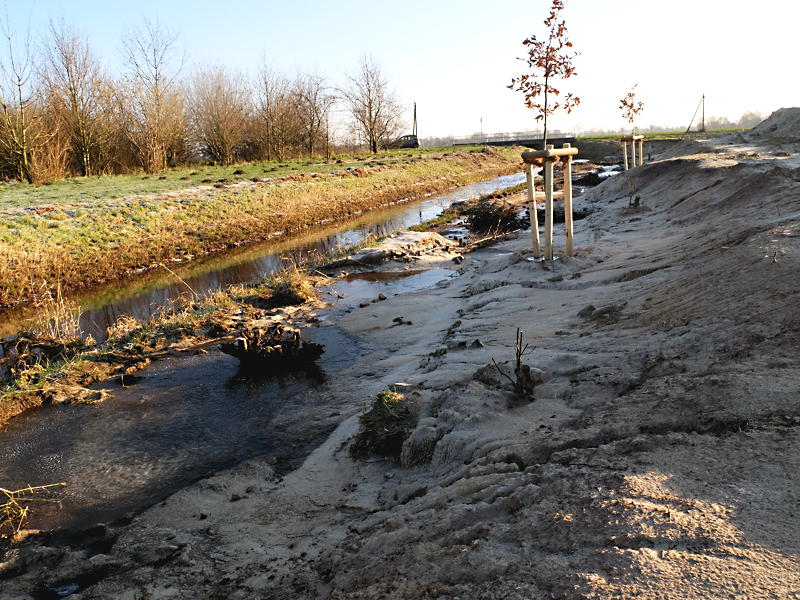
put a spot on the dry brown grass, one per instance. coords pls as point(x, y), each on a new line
point(16, 508)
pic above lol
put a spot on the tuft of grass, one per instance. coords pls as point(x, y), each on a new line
point(31, 356)
point(291, 286)
point(385, 426)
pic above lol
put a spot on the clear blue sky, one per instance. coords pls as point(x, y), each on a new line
point(455, 58)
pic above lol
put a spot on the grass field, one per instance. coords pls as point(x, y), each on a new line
point(16, 194)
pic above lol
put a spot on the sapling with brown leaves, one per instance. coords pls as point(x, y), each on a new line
point(631, 108)
point(548, 58)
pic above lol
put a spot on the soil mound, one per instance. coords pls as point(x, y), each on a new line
point(783, 123)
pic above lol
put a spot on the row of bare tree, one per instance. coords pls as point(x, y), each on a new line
point(63, 113)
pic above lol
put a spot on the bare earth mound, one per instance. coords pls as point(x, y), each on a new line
point(658, 460)
point(782, 124)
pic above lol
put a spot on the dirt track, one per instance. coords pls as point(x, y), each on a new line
point(658, 460)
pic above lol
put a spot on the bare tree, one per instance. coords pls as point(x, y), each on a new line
point(277, 110)
point(22, 131)
point(219, 105)
point(149, 101)
point(312, 101)
point(374, 106)
point(80, 93)
point(750, 119)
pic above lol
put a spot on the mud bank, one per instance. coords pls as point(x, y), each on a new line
point(658, 459)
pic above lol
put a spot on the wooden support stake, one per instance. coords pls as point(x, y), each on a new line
point(548, 206)
point(537, 249)
point(641, 152)
point(625, 152)
point(566, 163)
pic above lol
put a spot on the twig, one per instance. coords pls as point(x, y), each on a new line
point(503, 374)
point(196, 295)
point(12, 513)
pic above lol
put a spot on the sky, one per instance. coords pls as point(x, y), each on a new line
point(455, 58)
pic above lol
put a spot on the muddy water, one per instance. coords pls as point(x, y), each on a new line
point(148, 295)
point(189, 417)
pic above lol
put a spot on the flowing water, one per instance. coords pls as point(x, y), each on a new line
point(146, 296)
point(189, 417)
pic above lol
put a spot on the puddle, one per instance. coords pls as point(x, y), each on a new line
point(382, 276)
point(186, 419)
point(609, 170)
point(356, 288)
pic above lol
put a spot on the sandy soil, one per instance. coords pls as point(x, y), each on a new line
point(658, 460)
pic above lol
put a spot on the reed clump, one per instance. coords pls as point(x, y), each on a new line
point(55, 338)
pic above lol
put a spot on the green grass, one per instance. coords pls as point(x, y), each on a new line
point(661, 135)
point(16, 194)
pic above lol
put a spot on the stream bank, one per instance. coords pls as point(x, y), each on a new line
point(68, 247)
point(656, 460)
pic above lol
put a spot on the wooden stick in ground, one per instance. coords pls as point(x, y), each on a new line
point(537, 250)
point(566, 163)
point(641, 152)
point(625, 152)
point(548, 206)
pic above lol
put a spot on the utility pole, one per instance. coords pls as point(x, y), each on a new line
point(703, 127)
point(481, 130)
point(415, 119)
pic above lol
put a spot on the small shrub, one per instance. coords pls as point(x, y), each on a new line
point(493, 218)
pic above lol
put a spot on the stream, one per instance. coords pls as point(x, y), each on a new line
point(195, 414)
point(189, 417)
point(145, 296)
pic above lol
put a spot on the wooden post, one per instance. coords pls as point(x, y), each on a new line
point(641, 152)
point(548, 205)
point(566, 163)
point(537, 250)
point(545, 158)
point(633, 152)
point(625, 152)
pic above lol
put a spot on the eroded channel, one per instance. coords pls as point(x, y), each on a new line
point(194, 414)
point(189, 417)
